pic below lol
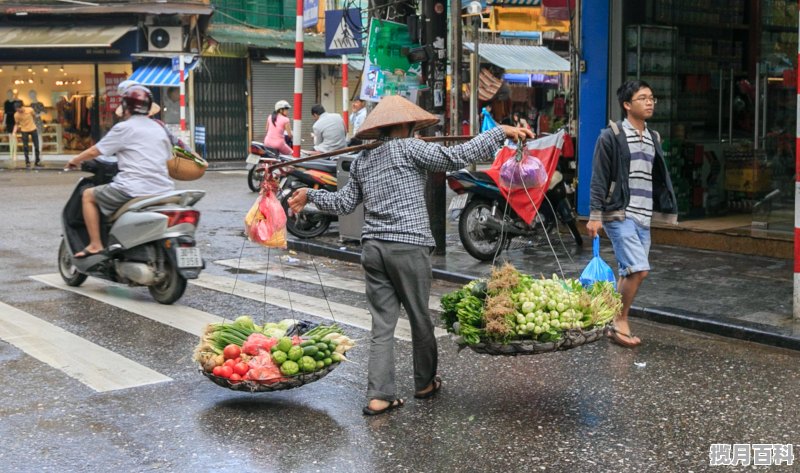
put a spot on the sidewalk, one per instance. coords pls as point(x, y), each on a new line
point(739, 296)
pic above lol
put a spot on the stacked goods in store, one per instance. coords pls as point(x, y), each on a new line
point(512, 306)
point(243, 352)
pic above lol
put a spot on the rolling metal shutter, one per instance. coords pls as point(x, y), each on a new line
point(273, 82)
point(220, 106)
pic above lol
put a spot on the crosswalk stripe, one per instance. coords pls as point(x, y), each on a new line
point(283, 270)
point(97, 367)
point(343, 313)
point(184, 318)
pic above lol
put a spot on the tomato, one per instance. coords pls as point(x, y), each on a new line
point(231, 352)
point(238, 359)
point(230, 363)
point(235, 378)
point(217, 371)
point(241, 369)
point(225, 371)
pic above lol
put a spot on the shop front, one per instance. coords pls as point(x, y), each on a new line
point(725, 75)
point(69, 76)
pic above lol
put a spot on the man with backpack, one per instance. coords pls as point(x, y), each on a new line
point(630, 188)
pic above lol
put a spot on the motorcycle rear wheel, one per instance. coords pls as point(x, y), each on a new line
point(254, 179)
point(171, 288)
point(480, 241)
point(69, 273)
point(305, 225)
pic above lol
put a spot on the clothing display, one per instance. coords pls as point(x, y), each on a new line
point(8, 115)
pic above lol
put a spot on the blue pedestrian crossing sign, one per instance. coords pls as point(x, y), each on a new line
point(343, 32)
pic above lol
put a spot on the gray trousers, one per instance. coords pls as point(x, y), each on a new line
point(398, 273)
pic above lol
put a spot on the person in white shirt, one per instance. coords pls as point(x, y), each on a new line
point(142, 147)
point(358, 116)
point(329, 131)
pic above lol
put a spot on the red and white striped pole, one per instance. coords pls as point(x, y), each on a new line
point(345, 94)
point(796, 292)
point(181, 70)
point(298, 81)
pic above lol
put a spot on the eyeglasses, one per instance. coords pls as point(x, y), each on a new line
point(645, 100)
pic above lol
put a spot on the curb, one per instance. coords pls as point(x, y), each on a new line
point(685, 319)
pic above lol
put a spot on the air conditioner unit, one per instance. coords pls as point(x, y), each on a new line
point(165, 38)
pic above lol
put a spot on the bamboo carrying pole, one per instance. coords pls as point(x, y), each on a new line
point(366, 146)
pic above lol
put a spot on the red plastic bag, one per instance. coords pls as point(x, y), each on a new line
point(265, 223)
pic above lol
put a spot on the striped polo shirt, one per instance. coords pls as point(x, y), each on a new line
point(640, 176)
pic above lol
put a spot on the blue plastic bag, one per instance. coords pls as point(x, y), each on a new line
point(597, 269)
point(488, 122)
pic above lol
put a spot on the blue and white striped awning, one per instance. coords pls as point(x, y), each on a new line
point(158, 72)
point(526, 3)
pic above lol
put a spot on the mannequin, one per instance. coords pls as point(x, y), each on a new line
point(38, 109)
point(8, 110)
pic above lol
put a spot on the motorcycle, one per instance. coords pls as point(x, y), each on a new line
point(317, 174)
point(259, 157)
point(487, 224)
point(149, 241)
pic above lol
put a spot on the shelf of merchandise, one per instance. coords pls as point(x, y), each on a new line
point(51, 130)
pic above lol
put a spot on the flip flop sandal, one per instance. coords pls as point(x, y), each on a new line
point(437, 385)
point(396, 404)
point(616, 336)
point(85, 254)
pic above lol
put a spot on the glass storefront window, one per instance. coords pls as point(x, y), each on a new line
point(725, 74)
point(63, 95)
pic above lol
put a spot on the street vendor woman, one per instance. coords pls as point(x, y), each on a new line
point(396, 237)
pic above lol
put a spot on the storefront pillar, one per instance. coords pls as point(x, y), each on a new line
point(796, 291)
point(593, 91)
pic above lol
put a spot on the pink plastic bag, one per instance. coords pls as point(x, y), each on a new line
point(265, 223)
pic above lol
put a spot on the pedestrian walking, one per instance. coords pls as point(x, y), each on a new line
point(630, 188)
point(396, 238)
point(278, 128)
point(24, 121)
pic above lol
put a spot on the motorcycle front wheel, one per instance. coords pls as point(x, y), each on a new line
point(254, 179)
point(305, 225)
point(172, 287)
point(480, 241)
point(69, 273)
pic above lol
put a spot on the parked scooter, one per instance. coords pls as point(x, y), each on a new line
point(149, 241)
point(482, 226)
point(317, 174)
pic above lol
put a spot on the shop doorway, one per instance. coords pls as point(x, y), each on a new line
point(220, 103)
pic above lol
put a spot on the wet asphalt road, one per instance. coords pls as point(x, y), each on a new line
point(596, 408)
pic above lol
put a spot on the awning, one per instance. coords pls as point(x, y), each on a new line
point(526, 3)
point(525, 59)
point(263, 38)
point(354, 64)
point(61, 37)
point(159, 73)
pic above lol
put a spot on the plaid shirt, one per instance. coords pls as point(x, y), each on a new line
point(390, 180)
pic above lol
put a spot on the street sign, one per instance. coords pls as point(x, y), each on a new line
point(343, 32)
point(175, 64)
point(310, 13)
point(200, 135)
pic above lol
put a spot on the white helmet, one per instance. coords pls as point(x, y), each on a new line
point(281, 104)
point(125, 85)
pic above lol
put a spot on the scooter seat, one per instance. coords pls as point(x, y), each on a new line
point(482, 176)
point(170, 200)
point(321, 165)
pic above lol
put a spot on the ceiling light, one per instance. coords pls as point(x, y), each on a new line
point(61, 69)
point(45, 69)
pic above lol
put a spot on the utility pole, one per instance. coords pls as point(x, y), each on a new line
point(434, 37)
point(455, 67)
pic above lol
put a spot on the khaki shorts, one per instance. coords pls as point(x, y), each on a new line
point(109, 200)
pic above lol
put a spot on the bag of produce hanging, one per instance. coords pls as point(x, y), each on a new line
point(265, 223)
point(597, 269)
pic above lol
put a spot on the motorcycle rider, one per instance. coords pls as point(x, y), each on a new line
point(278, 125)
point(329, 131)
point(142, 147)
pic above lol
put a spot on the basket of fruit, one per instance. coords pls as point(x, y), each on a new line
point(516, 314)
point(243, 356)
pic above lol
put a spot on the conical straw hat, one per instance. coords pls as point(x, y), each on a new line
point(394, 110)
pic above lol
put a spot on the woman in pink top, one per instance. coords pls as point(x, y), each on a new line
point(277, 125)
